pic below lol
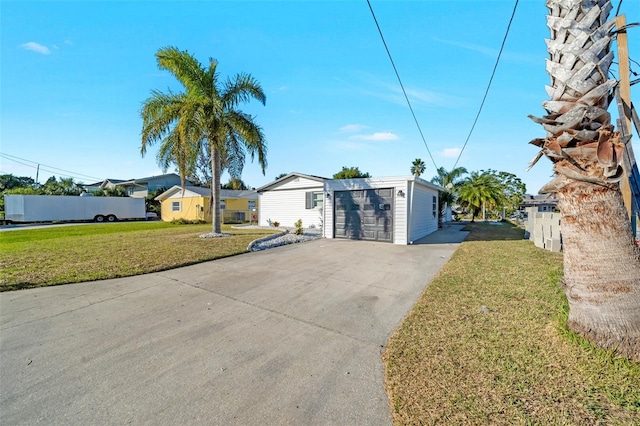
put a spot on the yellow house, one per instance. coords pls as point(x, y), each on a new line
point(194, 203)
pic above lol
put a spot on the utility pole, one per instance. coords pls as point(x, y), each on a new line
point(625, 97)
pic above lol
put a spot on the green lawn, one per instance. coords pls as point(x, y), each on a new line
point(486, 344)
point(69, 254)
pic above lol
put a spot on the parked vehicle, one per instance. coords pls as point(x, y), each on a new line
point(52, 208)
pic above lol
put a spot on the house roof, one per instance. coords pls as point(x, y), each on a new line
point(418, 180)
point(104, 182)
point(290, 175)
point(146, 179)
point(200, 191)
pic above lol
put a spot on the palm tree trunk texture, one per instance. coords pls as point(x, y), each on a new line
point(216, 162)
point(601, 273)
point(602, 262)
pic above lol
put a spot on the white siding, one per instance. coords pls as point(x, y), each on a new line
point(411, 221)
point(422, 221)
point(400, 203)
point(286, 203)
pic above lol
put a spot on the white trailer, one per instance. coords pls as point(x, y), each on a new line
point(50, 208)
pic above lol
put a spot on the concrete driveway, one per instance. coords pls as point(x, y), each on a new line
point(291, 335)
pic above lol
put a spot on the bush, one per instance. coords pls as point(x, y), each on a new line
point(182, 221)
point(276, 224)
point(298, 225)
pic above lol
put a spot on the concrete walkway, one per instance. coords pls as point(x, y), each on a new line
point(291, 335)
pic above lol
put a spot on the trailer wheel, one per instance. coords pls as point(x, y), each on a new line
point(111, 218)
point(99, 218)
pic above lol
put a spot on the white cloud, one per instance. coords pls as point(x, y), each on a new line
point(378, 136)
point(353, 128)
point(493, 53)
point(392, 92)
point(450, 152)
point(36, 47)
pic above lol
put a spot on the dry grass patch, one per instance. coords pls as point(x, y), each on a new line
point(42, 257)
point(486, 344)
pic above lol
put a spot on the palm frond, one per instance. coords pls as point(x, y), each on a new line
point(243, 88)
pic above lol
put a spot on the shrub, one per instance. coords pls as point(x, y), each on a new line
point(276, 224)
point(298, 225)
point(183, 221)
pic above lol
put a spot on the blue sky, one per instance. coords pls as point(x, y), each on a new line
point(74, 75)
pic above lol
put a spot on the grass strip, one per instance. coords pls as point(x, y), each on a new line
point(69, 254)
point(486, 344)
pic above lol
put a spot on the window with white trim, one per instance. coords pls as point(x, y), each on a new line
point(176, 206)
point(435, 206)
point(314, 199)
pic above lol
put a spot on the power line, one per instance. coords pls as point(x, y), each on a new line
point(45, 167)
point(618, 9)
point(401, 85)
point(493, 73)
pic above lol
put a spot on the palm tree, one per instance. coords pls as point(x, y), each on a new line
point(450, 182)
point(417, 167)
point(205, 115)
point(601, 261)
point(481, 191)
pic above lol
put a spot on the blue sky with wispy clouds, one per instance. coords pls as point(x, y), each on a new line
point(74, 75)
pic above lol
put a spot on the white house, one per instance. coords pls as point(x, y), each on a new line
point(290, 198)
point(398, 210)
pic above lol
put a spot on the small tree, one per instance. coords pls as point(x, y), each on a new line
point(235, 183)
point(350, 173)
point(281, 175)
point(417, 167)
point(450, 181)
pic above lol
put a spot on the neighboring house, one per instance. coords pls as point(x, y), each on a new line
point(542, 203)
point(141, 187)
point(138, 187)
point(399, 210)
point(290, 198)
point(104, 184)
point(194, 203)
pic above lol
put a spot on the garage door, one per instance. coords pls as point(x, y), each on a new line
point(364, 214)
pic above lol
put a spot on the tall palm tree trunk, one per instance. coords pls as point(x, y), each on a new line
point(602, 262)
point(216, 167)
point(601, 268)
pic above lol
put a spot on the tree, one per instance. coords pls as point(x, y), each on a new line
point(601, 262)
point(235, 183)
point(450, 182)
point(350, 173)
point(204, 116)
point(66, 186)
point(513, 188)
point(417, 167)
point(481, 190)
point(9, 181)
point(281, 175)
point(115, 191)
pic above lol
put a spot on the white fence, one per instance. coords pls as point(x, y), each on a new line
point(544, 229)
